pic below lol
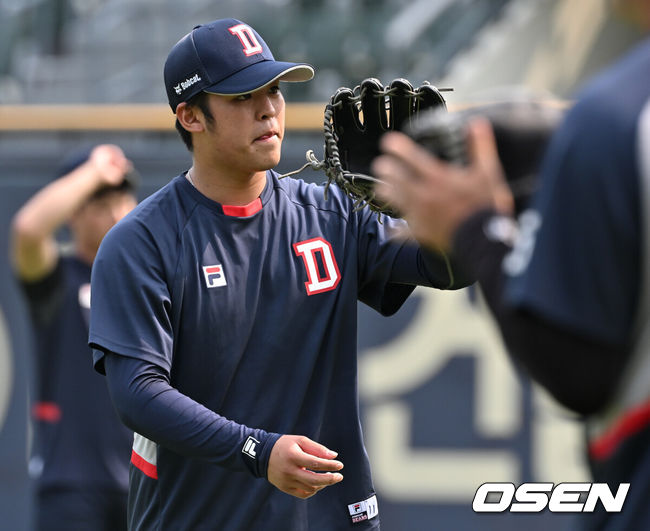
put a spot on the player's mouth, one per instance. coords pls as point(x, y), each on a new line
point(266, 137)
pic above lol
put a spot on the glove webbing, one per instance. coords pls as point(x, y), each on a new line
point(332, 166)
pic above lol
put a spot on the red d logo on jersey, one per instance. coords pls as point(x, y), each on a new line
point(318, 252)
point(247, 37)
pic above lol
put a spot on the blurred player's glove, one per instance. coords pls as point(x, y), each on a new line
point(522, 127)
point(354, 121)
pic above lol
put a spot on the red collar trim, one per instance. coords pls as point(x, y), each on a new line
point(243, 211)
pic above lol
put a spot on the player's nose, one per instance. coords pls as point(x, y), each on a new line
point(267, 107)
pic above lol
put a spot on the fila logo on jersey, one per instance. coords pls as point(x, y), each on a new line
point(214, 276)
point(249, 447)
point(363, 510)
point(324, 278)
point(247, 37)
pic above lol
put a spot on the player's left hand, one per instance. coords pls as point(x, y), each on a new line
point(301, 467)
point(436, 197)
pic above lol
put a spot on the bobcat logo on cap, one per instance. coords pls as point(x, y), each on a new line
point(247, 37)
point(183, 85)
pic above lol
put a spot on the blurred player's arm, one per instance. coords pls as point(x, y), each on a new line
point(34, 252)
point(149, 405)
point(579, 372)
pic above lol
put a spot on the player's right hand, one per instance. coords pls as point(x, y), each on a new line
point(110, 164)
point(302, 467)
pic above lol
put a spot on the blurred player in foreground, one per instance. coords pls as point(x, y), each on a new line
point(569, 284)
point(81, 450)
point(225, 313)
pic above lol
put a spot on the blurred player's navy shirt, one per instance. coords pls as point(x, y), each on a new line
point(579, 264)
point(252, 312)
point(582, 262)
point(78, 439)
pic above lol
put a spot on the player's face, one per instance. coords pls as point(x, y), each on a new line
point(247, 132)
point(95, 218)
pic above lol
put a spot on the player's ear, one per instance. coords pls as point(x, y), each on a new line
point(190, 117)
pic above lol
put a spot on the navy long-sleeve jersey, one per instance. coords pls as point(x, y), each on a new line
point(239, 324)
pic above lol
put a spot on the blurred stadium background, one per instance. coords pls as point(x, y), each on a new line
point(443, 410)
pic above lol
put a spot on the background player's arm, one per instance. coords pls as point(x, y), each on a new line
point(33, 248)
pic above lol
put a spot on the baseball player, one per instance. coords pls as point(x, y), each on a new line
point(80, 452)
point(569, 282)
point(225, 313)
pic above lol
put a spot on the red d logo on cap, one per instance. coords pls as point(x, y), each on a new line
point(247, 38)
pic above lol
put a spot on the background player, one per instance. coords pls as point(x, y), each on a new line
point(80, 451)
point(571, 296)
point(225, 312)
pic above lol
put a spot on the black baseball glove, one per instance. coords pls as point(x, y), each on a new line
point(356, 118)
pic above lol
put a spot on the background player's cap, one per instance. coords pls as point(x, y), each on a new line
point(225, 57)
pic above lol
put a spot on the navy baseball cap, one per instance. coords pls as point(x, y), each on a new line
point(225, 57)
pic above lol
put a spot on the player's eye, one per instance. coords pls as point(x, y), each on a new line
point(242, 97)
point(274, 89)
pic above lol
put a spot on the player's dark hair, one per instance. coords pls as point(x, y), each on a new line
point(200, 100)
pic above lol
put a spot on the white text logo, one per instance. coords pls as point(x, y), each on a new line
point(187, 83)
point(561, 498)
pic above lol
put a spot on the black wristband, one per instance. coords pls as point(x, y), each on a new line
point(481, 242)
point(480, 245)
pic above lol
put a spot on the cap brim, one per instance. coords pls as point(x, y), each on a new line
point(259, 75)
